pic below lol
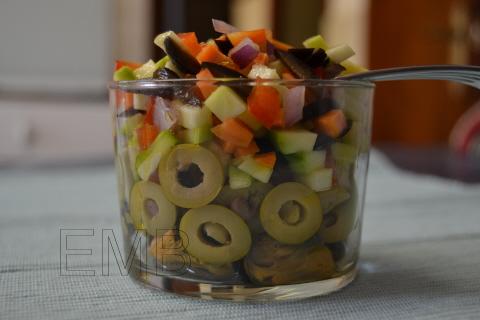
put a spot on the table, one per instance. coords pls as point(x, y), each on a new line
point(420, 253)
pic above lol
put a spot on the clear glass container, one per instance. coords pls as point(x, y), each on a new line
point(206, 215)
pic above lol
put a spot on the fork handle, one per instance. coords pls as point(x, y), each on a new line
point(465, 74)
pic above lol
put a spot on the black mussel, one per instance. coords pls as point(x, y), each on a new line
point(337, 249)
point(302, 54)
point(165, 74)
point(282, 172)
point(318, 58)
point(299, 68)
point(130, 112)
point(323, 142)
point(224, 45)
point(183, 60)
point(219, 71)
point(333, 70)
point(318, 108)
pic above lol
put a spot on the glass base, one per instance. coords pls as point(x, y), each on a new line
point(210, 291)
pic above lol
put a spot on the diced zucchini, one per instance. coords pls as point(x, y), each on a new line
point(196, 135)
point(255, 169)
point(341, 53)
point(162, 62)
point(316, 42)
point(192, 117)
point(344, 153)
point(319, 180)
point(147, 160)
point(225, 103)
point(238, 179)
point(330, 199)
point(124, 74)
point(306, 162)
point(293, 141)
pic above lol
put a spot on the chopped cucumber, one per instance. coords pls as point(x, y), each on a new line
point(124, 74)
point(353, 135)
point(255, 169)
point(160, 39)
point(344, 153)
point(330, 199)
point(238, 179)
point(192, 117)
point(340, 54)
point(147, 160)
point(293, 141)
point(140, 101)
point(316, 42)
point(196, 135)
point(251, 122)
point(162, 63)
point(225, 103)
point(146, 70)
point(263, 72)
point(131, 123)
point(170, 65)
point(351, 67)
point(319, 180)
point(306, 162)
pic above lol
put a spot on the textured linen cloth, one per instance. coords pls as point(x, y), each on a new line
point(420, 254)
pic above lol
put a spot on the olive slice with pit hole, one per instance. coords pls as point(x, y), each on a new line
point(191, 176)
point(149, 206)
point(215, 234)
point(291, 213)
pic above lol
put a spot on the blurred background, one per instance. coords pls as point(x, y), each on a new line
point(56, 58)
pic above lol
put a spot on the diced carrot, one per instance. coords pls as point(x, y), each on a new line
point(206, 87)
point(123, 63)
point(233, 131)
point(222, 37)
point(333, 123)
point(190, 40)
point(150, 110)
point(261, 58)
point(146, 135)
point(250, 150)
point(267, 159)
point(280, 45)
point(257, 36)
point(124, 100)
point(228, 147)
point(211, 53)
point(265, 104)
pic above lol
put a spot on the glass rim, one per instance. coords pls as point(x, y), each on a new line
point(151, 84)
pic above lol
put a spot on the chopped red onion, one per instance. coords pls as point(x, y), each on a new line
point(223, 27)
point(244, 52)
point(164, 117)
point(293, 102)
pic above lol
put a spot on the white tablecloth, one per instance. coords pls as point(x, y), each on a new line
point(420, 254)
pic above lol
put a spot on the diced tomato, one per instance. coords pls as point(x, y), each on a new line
point(150, 110)
point(333, 123)
point(206, 87)
point(190, 40)
point(123, 63)
point(267, 159)
point(233, 131)
point(265, 104)
point(146, 135)
point(228, 147)
point(257, 36)
point(124, 100)
point(250, 150)
point(261, 58)
point(288, 76)
point(211, 53)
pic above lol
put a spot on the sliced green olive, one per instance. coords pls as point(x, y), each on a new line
point(215, 234)
point(149, 208)
point(291, 213)
point(191, 176)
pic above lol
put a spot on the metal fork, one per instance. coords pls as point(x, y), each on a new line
point(469, 75)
